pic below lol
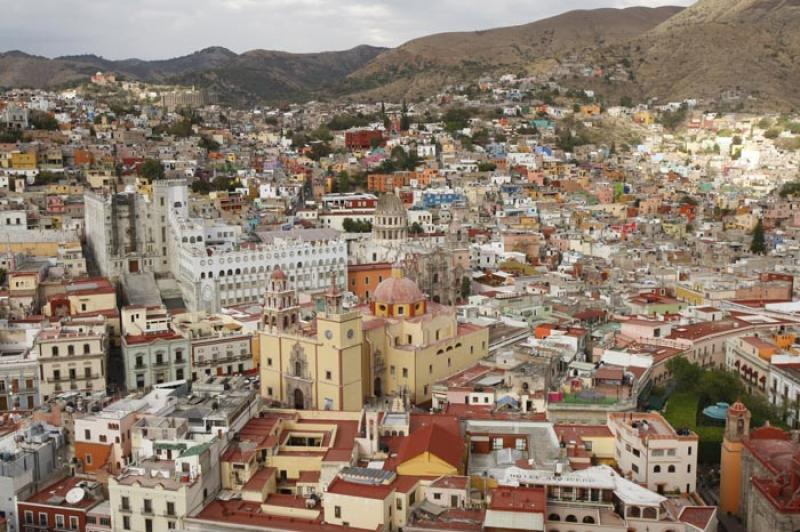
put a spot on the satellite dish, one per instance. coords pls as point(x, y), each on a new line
point(75, 495)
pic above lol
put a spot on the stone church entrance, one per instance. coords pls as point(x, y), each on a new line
point(299, 403)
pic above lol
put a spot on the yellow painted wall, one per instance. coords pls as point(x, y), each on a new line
point(426, 464)
point(419, 361)
point(690, 296)
point(602, 447)
point(228, 476)
point(22, 283)
point(353, 380)
point(357, 512)
point(93, 302)
point(36, 249)
point(23, 161)
point(340, 355)
point(293, 465)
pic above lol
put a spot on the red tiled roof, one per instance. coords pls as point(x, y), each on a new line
point(288, 501)
point(518, 499)
point(351, 489)
point(609, 373)
point(308, 477)
point(451, 482)
point(60, 489)
point(696, 331)
point(772, 447)
point(337, 455)
point(145, 338)
point(261, 477)
point(249, 514)
point(236, 454)
point(568, 432)
point(697, 516)
point(454, 519)
point(464, 411)
point(434, 439)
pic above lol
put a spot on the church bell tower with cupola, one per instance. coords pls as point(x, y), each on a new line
point(737, 429)
point(281, 311)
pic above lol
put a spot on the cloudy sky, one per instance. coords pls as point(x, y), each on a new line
point(157, 29)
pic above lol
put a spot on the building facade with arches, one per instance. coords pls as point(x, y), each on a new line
point(216, 265)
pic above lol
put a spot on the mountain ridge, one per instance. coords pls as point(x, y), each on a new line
point(713, 48)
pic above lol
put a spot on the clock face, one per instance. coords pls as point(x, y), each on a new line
point(329, 334)
point(351, 333)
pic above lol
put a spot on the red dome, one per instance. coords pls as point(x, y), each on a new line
point(737, 407)
point(278, 275)
point(398, 290)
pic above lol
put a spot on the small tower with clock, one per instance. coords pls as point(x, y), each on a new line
point(340, 360)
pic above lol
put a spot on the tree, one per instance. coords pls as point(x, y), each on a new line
point(399, 159)
point(42, 120)
point(181, 128)
point(208, 144)
point(759, 245)
point(201, 186)
point(466, 287)
point(356, 226)
point(405, 123)
point(44, 177)
point(319, 150)
point(343, 182)
point(685, 374)
point(416, 229)
point(223, 183)
point(790, 189)
point(151, 169)
point(345, 121)
point(322, 133)
point(455, 119)
point(10, 136)
point(673, 119)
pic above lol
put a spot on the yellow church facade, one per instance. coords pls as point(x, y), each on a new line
point(398, 345)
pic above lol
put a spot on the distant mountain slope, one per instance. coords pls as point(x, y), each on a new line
point(254, 75)
point(748, 47)
point(18, 69)
point(274, 76)
point(714, 46)
point(430, 61)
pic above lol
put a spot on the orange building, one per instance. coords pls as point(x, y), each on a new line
point(737, 428)
point(83, 157)
point(389, 182)
point(93, 456)
point(362, 279)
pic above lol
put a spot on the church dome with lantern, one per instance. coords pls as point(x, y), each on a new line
point(391, 220)
point(398, 296)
